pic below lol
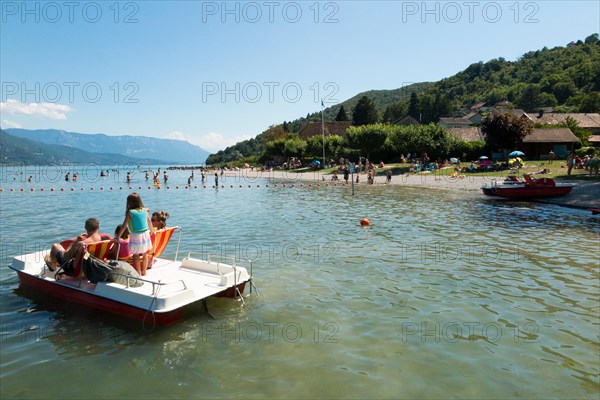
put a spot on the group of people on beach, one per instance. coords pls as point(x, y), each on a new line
point(132, 237)
point(587, 162)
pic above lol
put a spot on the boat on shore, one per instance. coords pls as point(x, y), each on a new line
point(158, 298)
point(528, 188)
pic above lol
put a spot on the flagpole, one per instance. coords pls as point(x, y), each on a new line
point(323, 130)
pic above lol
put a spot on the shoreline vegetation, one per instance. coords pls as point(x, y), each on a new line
point(585, 194)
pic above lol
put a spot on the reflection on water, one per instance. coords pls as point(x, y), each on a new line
point(482, 298)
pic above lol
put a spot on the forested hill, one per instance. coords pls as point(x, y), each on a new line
point(565, 78)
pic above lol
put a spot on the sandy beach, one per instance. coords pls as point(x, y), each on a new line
point(584, 194)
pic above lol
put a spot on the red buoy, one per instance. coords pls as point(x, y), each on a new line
point(365, 222)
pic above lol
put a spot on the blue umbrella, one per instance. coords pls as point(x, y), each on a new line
point(516, 153)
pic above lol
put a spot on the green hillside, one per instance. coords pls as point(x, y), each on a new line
point(565, 78)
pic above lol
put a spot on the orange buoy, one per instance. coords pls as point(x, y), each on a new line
point(365, 222)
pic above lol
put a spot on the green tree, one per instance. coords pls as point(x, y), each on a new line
point(333, 146)
point(529, 99)
point(413, 106)
point(505, 130)
point(294, 147)
point(365, 112)
point(393, 113)
point(590, 103)
point(275, 148)
point(341, 115)
point(367, 139)
point(593, 39)
point(582, 134)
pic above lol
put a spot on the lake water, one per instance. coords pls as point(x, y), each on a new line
point(445, 295)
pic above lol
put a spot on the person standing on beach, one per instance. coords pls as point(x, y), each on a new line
point(550, 157)
point(594, 165)
point(570, 163)
point(389, 176)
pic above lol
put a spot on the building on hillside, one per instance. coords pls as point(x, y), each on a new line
point(468, 134)
point(479, 107)
point(503, 104)
point(594, 140)
point(406, 121)
point(587, 121)
point(538, 144)
point(450, 122)
point(517, 112)
point(474, 117)
point(331, 128)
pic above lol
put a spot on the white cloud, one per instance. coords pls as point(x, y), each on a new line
point(211, 141)
point(214, 142)
point(177, 136)
point(10, 124)
point(45, 110)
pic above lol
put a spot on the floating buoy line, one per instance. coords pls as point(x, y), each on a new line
point(174, 188)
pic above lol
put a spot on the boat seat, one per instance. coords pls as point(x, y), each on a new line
point(160, 240)
point(97, 249)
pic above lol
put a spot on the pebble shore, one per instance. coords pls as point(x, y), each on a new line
point(584, 195)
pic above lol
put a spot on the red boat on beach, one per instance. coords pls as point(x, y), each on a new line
point(160, 297)
point(529, 188)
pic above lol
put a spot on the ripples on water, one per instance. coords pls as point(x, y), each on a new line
point(446, 294)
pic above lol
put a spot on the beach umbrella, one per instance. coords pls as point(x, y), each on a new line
point(483, 158)
point(316, 162)
point(516, 153)
point(453, 160)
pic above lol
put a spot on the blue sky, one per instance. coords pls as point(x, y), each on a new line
point(214, 72)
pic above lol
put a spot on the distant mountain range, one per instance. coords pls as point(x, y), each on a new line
point(23, 145)
point(15, 150)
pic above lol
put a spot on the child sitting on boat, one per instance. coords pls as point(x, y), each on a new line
point(124, 252)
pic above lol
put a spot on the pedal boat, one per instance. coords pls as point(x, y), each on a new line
point(169, 287)
point(529, 188)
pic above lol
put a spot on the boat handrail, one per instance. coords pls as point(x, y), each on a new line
point(233, 265)
point(208, 258)
point(178, 242)
point(154, 283)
